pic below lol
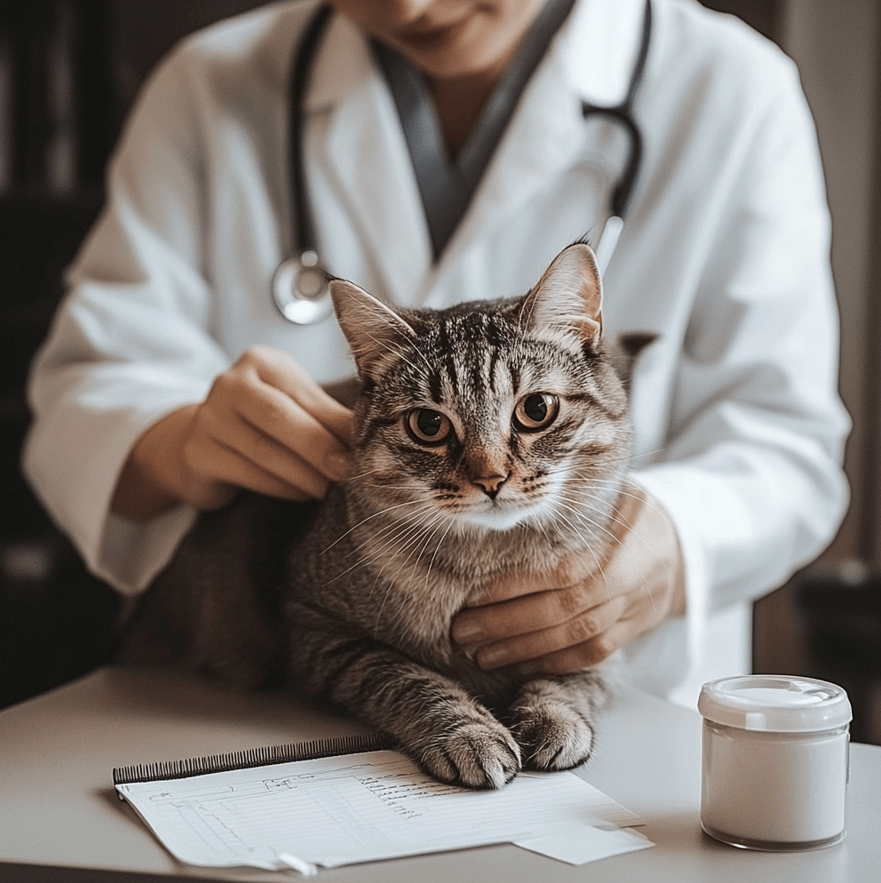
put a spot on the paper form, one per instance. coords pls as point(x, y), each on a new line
point(363, 807)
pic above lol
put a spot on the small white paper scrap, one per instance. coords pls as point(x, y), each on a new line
point(579, 844)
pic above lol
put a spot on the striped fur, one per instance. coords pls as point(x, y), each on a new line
point(351, 600)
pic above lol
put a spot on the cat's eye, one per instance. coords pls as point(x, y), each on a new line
point(535, 411)
point(428, 427)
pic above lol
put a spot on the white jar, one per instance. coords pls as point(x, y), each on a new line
point(775, 761)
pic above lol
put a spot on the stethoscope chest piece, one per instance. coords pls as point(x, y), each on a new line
point(300, 290)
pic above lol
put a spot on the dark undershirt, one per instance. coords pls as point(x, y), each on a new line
point(447, 184)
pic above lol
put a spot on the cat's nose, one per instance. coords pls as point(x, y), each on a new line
point(490, 484)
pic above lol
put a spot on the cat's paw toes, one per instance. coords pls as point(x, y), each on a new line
point(477, 755)
point(557, 740)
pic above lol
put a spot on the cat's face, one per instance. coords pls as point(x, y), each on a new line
point(489, 415)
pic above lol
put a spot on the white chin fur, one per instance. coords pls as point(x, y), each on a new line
point(498, 518)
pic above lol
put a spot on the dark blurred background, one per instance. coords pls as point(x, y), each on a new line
point(69, 70)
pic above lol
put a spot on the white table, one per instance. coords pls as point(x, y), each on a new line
point(58, 809)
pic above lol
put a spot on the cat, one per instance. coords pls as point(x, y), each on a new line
point(490, 438)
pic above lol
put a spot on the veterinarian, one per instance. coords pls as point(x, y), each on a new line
point(171, 378)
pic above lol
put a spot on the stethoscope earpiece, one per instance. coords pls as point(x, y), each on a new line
point(608, 242)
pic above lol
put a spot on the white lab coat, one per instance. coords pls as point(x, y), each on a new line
point(739, 429)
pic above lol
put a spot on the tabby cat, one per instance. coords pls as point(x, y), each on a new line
point(490, 438)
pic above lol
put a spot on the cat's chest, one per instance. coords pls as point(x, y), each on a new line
point(409, 605)
point(413, 611)
point(367, 574)
point(365, 577)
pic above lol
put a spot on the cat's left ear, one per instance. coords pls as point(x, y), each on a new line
point(373, 330)
point(569, 296)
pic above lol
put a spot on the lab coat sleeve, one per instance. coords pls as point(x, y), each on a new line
point(131, 340)
point(751, 472)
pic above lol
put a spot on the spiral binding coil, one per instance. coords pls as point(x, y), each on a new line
point(253, 757)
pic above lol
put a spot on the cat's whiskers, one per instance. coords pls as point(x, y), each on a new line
point(411, 536)
point(538, 525)
point(622, 488)
point(600, 504)
point(378, 619)
point(603, 492)
point(594, 493)
point(440, 542)
point(367, 518)
point(643, 455)
point(401, 529)
point(411, 543)
point(618, 518)
point(393, 487)
point(598, 528)
point(403, 537)
point(429, 537)
point(584, 520)
point(389, 530)
point(582, 470)
point(598, 494)
point(357, 476)
point(588, 546)
point(425, 545)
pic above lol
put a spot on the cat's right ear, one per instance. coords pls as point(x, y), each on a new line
point(568, 298)
point(373, 329)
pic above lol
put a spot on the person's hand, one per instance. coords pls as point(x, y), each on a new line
point(577, 615)
point(265, 426)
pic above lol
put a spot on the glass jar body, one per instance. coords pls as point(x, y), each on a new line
point(774, 791)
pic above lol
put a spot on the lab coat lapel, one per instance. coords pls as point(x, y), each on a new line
point(544, 137)
point(367, 156)
point(592, 61)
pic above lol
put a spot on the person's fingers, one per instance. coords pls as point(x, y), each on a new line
point(265, 425)
point(583, 631)
point(238, 472)
point(234, 452)
point(246, 414)
point(519, 584)
point(537, 610)
point(581, 656)
point(279, 426)
point(279, 370)
point(584, 610)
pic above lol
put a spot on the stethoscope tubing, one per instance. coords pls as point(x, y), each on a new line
point(300, 285)
point(623, 114)
point(304, 230)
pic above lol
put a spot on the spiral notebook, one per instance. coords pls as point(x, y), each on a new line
point(355, 799)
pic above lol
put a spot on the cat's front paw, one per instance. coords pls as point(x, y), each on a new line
point(475, 754)
point(553, 737)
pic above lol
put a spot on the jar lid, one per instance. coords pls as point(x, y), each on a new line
point(775, 704)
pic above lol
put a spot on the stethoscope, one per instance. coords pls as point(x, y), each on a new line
point(300, 286)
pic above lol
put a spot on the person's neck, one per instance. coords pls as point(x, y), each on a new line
point(459, 103)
